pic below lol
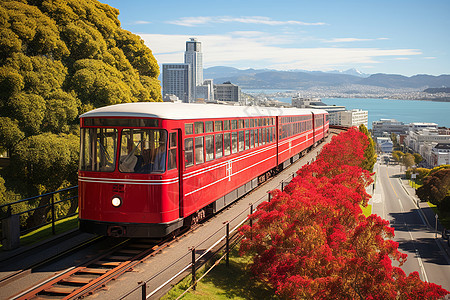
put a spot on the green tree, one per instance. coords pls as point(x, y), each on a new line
point(394, 140)
point(417, 158)
point(397, 155)
point(436, 187)
point(408, 160)
point(10, 134)
point(370, 156)
point(44, 163)
point(421, 173)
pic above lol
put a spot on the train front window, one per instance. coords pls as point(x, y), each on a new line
point(98, 149)
point(143, 151)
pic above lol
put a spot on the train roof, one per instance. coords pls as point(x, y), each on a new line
point(182, 111)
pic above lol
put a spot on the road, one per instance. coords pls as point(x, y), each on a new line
point(414, 228)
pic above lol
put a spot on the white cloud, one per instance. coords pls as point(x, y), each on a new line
point(196, 21)
point(348, 40)
point(256, 50)
point(141, 22)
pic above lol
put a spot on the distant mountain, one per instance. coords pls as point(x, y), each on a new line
point(272, 79)
point(400, 81)
point(437, 90)
point(352, 71)
point(218, 72)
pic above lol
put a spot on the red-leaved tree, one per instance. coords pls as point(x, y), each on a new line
point(311, 241)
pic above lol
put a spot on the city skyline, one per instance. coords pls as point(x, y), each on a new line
point(403, 37)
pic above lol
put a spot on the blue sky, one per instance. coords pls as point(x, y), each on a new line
point(396, 36)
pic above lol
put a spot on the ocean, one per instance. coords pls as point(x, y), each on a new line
point(406, 111)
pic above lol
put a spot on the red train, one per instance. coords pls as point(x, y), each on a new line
point(147, 169)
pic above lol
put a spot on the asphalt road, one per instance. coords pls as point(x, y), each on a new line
point(394, 201)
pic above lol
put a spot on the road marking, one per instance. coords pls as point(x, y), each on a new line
point(419, 259)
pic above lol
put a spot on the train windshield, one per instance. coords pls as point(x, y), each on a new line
point(98, 149)
point(143, 151)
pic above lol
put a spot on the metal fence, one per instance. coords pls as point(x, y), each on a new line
point(39, 211)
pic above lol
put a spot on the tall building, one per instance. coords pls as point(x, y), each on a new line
point(185, 81)
point(177, 80)
point(194, 57)
point(388, 126)
point(354, 117)
point(227, 92)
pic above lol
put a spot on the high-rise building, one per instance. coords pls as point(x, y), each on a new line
point(177, 80)
point(227, 92)
point(354, 117)
point(194, 57)
point(186, 80)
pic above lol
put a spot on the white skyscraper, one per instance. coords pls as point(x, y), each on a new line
point(194, 57)
point(186, 80)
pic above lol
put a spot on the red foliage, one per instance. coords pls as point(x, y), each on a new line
point(312, 240)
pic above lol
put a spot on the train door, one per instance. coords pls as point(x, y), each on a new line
point(174, 167)
point(180, 173)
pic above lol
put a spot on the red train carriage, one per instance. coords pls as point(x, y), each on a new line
point(147, 169)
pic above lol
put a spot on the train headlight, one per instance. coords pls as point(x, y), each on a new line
point(116, 201)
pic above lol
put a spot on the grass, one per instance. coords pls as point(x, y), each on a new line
point(45, 232)
point(414, 185)
point(232, 282)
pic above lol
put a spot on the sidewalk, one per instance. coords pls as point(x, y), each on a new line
point(428, 215)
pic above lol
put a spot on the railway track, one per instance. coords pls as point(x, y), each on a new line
point(79, 281)
point(25, 271)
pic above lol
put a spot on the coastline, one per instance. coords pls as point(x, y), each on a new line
point(318, 93)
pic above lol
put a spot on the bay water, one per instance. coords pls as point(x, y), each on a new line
point(406, 111)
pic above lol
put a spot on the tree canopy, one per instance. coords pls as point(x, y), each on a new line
point(369, 153)
point(436, 186)
point(59, 59)
point(312, 241)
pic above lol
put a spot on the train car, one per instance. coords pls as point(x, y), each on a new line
point(148, 169)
